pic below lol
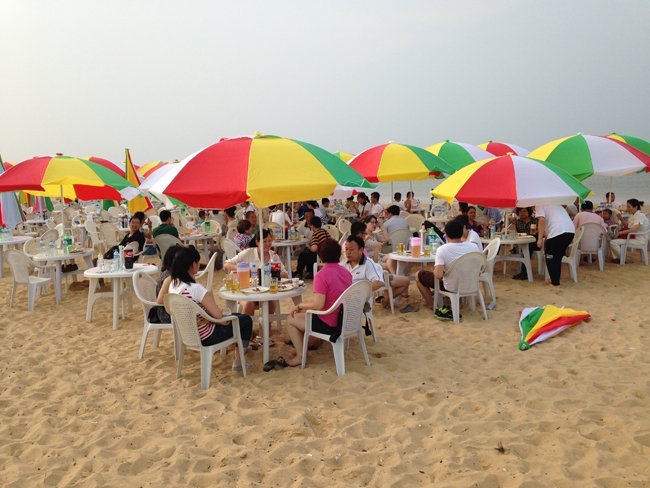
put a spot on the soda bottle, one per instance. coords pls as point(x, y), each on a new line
point(276, 265)
point(207, 227)
point(128, 257)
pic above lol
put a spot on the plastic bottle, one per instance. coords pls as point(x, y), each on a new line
point(100, 263)
point(68, 239)
point(276, 265)
point(128, 256)
point(207, 227)
point(42, 246)
point(121, 258)
point(51, 248)
point(255, 278)
point(266, 277)
point(493, 230)
point(116, 259)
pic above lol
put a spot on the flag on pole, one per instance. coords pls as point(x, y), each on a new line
point(139, 203)
point(10, 211)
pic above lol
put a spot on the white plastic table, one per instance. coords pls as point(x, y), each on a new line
point(117, 288)
point(15, 241)
point(438, 220)
point(522, 255)
point(264, 299)
point(403, 260)
point(203, 238)
point(287, 244)
point(58, 258)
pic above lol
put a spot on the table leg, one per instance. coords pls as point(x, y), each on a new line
point(91, 299)
point(206, 252)
point(116, 284)
point(57, 280)
point(265, 330)
point(121, 296)
point(287, 250)
point(529, 269)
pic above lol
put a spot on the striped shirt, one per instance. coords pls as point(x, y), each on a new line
point(196, 293)
point(319, 236)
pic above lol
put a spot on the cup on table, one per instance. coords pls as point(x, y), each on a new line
point(228, 281)
point(273, 287)
point(400, 248)
point(533, 228)
point(295, 282)
point(235, 285)
point(427, 251)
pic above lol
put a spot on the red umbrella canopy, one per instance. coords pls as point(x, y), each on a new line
point(115, 167)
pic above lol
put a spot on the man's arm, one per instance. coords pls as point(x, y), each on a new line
point(439, 271)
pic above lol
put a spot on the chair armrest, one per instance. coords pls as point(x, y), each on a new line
point(637, 234)
point(222, 321)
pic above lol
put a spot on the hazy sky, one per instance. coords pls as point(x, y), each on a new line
point(166, 78)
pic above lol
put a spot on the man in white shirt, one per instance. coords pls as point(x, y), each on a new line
point(611, 201)
point(398, 202)
point(554, 220)
point(377, 208)
point(395, 222)
point(361, 268)
point(446, 255)
point(280, 218)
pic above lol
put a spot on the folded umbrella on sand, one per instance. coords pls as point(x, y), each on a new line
point(538, 324)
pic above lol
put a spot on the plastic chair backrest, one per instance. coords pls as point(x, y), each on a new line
point(91, 226)
point(135, 245)
point(30, 216)
point(342, 240)
point(165, 241)
point(574, 246)
point(468, 268)
point(399, 236)
point(239, 214)
point(490, 252)
point(415, 221)
point(104, 215)
point(484, 219)
point(215, 227)
point(122, 208)
point(155, 221)
point(220, 219)
point(353, 300)
point(343, 225)
point(50, 235)
point(404, 214)
point(272, 226)
point(109, 233)
point(32, 247)
point(231, 234)
point(114, 212)
point(591, 237)
point(57, 206)
point(89, 209)
point(19, 264)
point(144, 287)
point(332, 231)
point(183, 312)
point(59, 229)
point(230, 249)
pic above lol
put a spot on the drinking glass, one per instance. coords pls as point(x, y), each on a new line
point(400, 248)
point(235, 285)
point(273, 288)
point(427, 251)
point(228, 281)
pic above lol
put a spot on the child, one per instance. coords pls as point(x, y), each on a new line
point(607, 217)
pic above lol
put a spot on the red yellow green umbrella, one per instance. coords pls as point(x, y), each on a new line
point(148, 169)
point(67, 177)
point(503, 149)
point(459, 154)
point(511, 181)
point(399, 162)
point(345, 157)
point(263, 169)
point(585, 155)
point(640, 144)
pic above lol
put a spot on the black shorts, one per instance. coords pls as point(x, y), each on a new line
point(317, 325)
point(428, 279)
point(224, 332)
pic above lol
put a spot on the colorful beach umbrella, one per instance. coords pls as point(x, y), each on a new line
point(503, 149)
point(398, 162)
point(345, 157)
point(511, 181)
point(148, 169)
point(139, 203)
point(459, 154)
point(266, 170)
point(67, 177)
point(115, 167)
point(585, 155)
point(640, 144)
point(538, 324)
point(10, 211)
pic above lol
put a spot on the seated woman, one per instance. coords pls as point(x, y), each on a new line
point(252, 256)
point(329, 283)
point(409, 201)
point(243, 236)
point(474, 225)
point(181, 281)
point(165, 272)
point(373, 239)
point(636, 222)
point(526, 224)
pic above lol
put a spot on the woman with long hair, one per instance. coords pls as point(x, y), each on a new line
point(181, 281)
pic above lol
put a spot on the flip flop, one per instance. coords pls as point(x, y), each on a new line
point(409, 308)
point(275, 362)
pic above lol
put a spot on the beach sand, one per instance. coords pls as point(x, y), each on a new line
point(77, 408)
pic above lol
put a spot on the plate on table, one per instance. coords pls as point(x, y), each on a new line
point(287, 287)
point(256, 289)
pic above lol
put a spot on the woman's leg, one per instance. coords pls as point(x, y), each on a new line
point(248, 308)
point(615, 248)
point(296, 330)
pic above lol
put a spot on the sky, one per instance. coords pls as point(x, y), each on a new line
point(166, 78)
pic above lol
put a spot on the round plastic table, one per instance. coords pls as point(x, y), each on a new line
point(522, 255)
point(58, 258)
point(287, 244)
point(264, 299)
point(117, 292)
point(403, 260)
point(15, 241)
point(205, 239)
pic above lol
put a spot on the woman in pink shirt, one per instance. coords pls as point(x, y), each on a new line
point(329, 283)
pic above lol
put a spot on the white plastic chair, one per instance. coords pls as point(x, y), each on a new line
point(230, 235)
point(332, 231)
point(342, 239)
point(631, 244)
point(593, 242)
point(415, 221)
point(468, 268)
point(239, 214)
point(389, 289)
point(344, 226)
point(20, 266)
point(144, 287)
point(490, 252)
point(95, 236)
point(230, 249)
point(209, 269)
point(114, 212)
point(352, 300)
point(109, 235)
point(164, 241)
point(399, 236)
point(573, 259)
point(404, 214)
point(155, 221)
point(184, 313)
point(50, 235)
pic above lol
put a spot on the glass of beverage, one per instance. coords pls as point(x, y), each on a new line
point(273, 287)
point(228, 281)
point(533, 228)
point(400, 248)
point(235, 285)
point(427, 251)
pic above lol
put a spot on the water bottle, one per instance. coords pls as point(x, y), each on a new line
point(52, 248)
point(42, 246)
point(278, 233)
point(291, 233)
point(100, 263)
point(493, 230)
point(266, 279)
point(121, 258)
point(255, 279)
point(116, 259)
point(207, 227)
point(69, 245)
point(276, 265)
point(3, 234)
point(128, 256)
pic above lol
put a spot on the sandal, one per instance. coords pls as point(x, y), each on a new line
point(409, 308)
point(275, 362)
point(237, 366)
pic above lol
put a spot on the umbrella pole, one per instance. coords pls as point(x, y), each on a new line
point(411, 187)
point(261, 233)
point(392, 193)
point(62, 212)
point(609, 198)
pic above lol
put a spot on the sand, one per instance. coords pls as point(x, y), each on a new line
point(77, 408)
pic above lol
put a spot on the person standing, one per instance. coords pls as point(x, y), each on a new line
point(558, 226)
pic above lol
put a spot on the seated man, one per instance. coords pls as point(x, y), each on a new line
point(148, 233)
point(166, 226)
point(395, 222)
point(398, 202)
point(308, 257)
point(587, 216)
point(281, 218)
point(446, 255)
point(325, 204)
point(313, 205)
point(360, 266)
